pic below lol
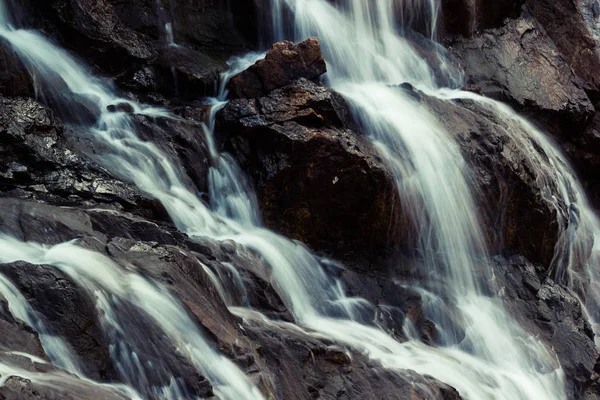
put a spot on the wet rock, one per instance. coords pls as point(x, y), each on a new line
point(283, 64)
point(68, 310)
point(120, 107)
point(16, 335)
point(14, 77)
point(465, 17)
point(507, 63)
point(49, 383)
point(307, 368)
point(554, 314)
point(306, 167)
point(193, 74)
point(583, 152)
point(515, 216)
point(184, 141)
point(573, 27)
point(393, 307)
point(158, 252)
point(123, 38)
point(43, 160)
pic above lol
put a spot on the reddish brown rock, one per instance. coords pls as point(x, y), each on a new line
point(283, 64)
point(521, 64)
point(571, 24)
point(317, 181)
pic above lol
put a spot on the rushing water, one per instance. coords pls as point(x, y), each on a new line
point(366, 51)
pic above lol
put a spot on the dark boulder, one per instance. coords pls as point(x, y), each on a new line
point(284, 63)
point(43, 160)
point(572, 25)
point(507, 63)
point(306, 167)
point(554, 314)
point(465, 17)
point(307, 368)
point(515, 216)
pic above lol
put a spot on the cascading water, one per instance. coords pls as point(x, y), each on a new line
point(496, 360)
point(365, 56)
point(577, 253)
point(144, 164)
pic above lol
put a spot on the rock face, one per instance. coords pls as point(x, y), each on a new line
point(274, 357)
point(516, 219)
point(572, 26)
point(38, 161)
point(284, 63)
point(545, 63)
point(137, 41)
point(328, 372)
point(465, 17)
point(306, 166)
point(553, 313)
point(318, 180)
point(507, 63)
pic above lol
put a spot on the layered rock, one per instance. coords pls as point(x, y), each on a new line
point(269, 354)
point(284, 63)
point(519, 63)
point(138, 41)
point(306, 166)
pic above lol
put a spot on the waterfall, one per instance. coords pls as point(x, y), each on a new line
point(112, 286)
point(367, 53)
point(577, 251)
point(143, 163)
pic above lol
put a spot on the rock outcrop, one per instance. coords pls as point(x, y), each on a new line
point(306, 166)
point(572, 25)
point(520, 64)
point(465, 17)
point(283, 64)
point(555, 314)
point(167, 47)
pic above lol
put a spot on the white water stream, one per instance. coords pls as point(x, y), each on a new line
point(365, 52)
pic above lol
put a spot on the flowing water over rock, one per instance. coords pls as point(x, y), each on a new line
point(378, 66)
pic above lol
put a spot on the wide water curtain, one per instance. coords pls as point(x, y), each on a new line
point(439, 189)
point(164, 270)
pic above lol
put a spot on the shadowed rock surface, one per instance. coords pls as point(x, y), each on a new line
point(318, 180)
point(306, 166)
point(284, 63)
point(519, 63)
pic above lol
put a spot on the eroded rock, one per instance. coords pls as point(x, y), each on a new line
point(307, 167)
point(555, 314)
point(284, 63)
point(519, 63)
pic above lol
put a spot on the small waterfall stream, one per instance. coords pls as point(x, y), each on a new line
point(366, 54)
